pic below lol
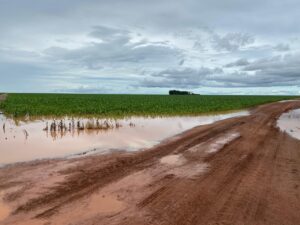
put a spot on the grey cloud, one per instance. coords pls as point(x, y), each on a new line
point(198, 46)
point(224, 80)
point(239, 62)
point(231, 41)
point(117, 48)
point(282, 47)
point(278, 69)
point(275, 63)
point(180, 78)
point(110, 34)
point(74, 15)
point(275, 71)
point(181, 62)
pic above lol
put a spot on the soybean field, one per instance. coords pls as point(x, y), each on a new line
point(110, 105)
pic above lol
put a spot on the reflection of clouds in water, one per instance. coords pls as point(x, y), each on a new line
point(290, 123)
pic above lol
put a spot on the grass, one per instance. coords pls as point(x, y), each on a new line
point(19, 105)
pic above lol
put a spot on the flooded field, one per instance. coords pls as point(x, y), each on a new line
point(44, 138)
point(290, 123)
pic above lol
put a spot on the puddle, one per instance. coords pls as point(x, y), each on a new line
point(175, 160)
point(215, 144)
point(222, 141)
point(29, 141)
point(4, 209)
point(190, 170)
point(290, 123)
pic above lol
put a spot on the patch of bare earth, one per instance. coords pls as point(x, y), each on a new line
point(236, 171)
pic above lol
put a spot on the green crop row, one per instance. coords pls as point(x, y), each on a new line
point(18, 105)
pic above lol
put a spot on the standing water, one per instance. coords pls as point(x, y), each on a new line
point(289, 122)
point(32, 140)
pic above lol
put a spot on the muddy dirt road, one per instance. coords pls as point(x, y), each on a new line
point(236, 171)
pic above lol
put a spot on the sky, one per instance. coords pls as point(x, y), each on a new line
point(143, 47)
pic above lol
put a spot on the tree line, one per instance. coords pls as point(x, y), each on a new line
point(177, 92)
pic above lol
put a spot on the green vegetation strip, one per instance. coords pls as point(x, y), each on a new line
point(18, 105)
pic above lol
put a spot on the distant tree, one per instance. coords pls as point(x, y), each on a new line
point(177, 92)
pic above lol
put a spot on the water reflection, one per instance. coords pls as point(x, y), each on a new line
point(76, 132)
point(289, 122)
point(23, 141)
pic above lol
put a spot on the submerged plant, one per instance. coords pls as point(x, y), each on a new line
point(81, 125)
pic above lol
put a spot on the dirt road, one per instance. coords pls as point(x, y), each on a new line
point(236, 171)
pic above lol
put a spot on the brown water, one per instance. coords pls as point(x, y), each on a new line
point(28, 141)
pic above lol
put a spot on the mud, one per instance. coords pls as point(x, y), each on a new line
point(242, 170)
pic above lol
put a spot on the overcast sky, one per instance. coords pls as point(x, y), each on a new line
point(137, 46)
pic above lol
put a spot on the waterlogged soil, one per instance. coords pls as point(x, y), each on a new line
point(241, 170)
point(25, 141)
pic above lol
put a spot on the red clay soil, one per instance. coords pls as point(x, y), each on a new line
point(253, 178)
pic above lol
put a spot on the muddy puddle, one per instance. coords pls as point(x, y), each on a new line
point(173, 160)
point(40, 139)
point(290, 123)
